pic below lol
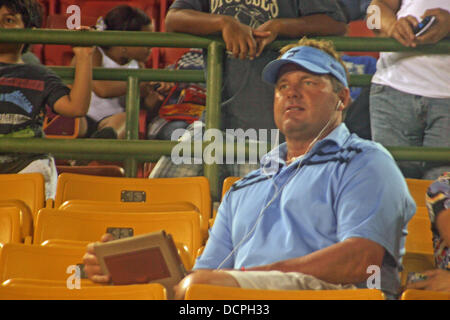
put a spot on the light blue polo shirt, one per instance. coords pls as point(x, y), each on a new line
point(345, 187)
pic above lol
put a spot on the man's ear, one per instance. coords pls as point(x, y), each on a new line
point(344, 96)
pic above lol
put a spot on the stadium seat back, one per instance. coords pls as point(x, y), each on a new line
point(108, 206)
point(420, 238)
point(60, 127)
point(418, 190)
point(418, 246)
point(45, 290)
point(209, 292)
point(16, 222)
point(27, 187)
point(94, 170)
point(227, 183)
point(91, 225)
point(152, 191)
point(10, 230)
point(38, 262)
point(413, 294)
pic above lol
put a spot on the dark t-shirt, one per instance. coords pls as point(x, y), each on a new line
point(25, 90)
point(247, 101)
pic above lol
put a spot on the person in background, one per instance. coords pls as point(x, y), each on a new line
point(26, 89)
point(410, 96)
point(106, 116)
point(247, 28)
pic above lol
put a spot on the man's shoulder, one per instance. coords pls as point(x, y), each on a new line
point(351, 149)
point(372, 158)
point(30, 69)
point(366, 146)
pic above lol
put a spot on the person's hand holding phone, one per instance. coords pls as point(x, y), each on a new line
point(438, 30)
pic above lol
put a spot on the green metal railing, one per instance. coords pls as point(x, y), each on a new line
point(131, 150)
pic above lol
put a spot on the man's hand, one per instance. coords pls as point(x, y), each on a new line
point(91, 265)
point(437, 280)
point(83, 51)
point(238, 38)
point(402, 31)
point(155, 93)
point(440, 28)
point(265, 34)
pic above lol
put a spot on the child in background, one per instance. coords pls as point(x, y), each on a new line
point(26, 89)
point(106, 116)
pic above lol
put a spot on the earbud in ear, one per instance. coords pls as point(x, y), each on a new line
point(339, 105)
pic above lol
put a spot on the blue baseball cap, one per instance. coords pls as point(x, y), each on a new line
point(312, 59)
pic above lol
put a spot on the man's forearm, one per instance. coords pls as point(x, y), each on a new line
point(80, 95)
point(318, 24)
point(388, 16)
point(342, 263)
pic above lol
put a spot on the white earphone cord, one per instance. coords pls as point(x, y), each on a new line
point(277, 192)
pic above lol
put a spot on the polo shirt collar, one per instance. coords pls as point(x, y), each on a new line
point(276, 158)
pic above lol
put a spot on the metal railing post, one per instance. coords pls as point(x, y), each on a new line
point(132, 121)
point(213, 109)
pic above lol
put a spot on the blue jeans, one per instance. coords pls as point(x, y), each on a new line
point(401, 119)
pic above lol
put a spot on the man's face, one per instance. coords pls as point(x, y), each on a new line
point(303, 103)
point(140, 54)
point(9, 20)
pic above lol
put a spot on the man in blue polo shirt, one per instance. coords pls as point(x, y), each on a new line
point(323, 207)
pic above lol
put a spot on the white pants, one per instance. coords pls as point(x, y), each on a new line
point(277, 280)
point(48, 169)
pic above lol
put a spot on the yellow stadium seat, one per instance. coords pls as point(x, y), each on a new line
point(16, 222)
point(419, 255)
point(413, 294)
point(44, 290)
point(39, 262)
point(210, 292)
point(27, 187)
point(418, 189)
point(107, 206)
point(184, 226)
point(227, 183)
point(152, 191)
point(420, 238)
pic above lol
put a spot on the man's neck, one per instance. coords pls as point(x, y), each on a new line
point(298, 146)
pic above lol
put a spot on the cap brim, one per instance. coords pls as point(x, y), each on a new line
point(271, 70)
